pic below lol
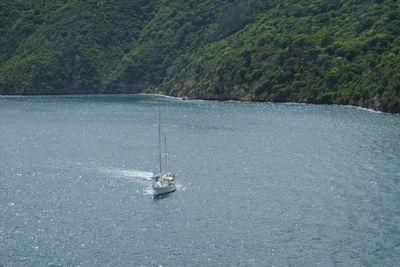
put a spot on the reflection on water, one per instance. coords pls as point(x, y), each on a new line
point(258, 184)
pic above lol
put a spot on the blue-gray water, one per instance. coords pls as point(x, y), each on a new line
point(259, 184)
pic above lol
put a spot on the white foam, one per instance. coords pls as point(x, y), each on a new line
point(137, 174)
point(161, 95)
point(180, 187)
point(126, 173)
point(368, 109)
point(148, 191)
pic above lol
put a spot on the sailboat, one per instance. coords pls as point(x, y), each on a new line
point(163, 183)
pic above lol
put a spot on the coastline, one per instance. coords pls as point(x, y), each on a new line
point(195, 99)
point(286, 103)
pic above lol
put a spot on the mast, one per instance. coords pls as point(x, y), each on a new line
point(159, 138)
point(165, 150)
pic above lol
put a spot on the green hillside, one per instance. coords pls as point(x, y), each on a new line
point(314, 51)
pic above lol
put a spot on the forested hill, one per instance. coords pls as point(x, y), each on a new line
point(314, 51)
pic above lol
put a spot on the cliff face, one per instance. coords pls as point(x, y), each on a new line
point(316, 51)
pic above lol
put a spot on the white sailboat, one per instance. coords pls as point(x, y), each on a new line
point(163, 183)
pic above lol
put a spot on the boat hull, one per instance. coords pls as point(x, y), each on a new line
point(164, 190)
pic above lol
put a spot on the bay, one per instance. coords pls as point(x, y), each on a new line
point(258, 183)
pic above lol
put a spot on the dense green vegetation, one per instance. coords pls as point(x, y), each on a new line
point(314, 51)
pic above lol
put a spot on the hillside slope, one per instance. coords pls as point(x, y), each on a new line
point(317, 52)
point(67, 46)
point(313, 51)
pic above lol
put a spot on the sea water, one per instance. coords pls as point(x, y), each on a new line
point(259, 184)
